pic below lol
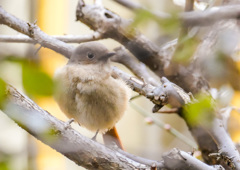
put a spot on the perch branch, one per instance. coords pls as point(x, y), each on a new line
point(83, 151)
point(53, 132)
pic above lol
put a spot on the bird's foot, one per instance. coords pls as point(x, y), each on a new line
point(95, 136)
point(68, 123)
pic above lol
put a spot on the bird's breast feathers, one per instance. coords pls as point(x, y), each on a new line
point(88, 94)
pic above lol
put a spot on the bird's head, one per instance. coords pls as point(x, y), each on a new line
point(90, 53)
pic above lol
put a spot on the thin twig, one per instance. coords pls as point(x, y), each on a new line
point(172, 110)
point(163, 126)
point(65, 38)
point(98, 2)
point(35, 33)
point(135, 6)
point(189, 4)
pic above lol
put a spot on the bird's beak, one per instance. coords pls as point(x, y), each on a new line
point(107, 56)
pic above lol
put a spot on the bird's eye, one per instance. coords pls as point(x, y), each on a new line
point(90, 55)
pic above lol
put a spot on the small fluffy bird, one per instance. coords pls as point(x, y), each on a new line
point(87, 91)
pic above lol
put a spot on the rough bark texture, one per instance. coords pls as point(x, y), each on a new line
point(61, 137)
point(107, 24)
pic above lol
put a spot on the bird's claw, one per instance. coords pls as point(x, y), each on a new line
point(68, 123)
point(94, 138)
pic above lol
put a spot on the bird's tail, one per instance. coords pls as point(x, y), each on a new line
point(111, 137)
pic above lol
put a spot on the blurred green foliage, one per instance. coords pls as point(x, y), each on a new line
point(185, 50)
point(5, 161)
point(2, 92)
point(186, 45)
point(35, 81)
point(200, 112)
point(168, 25)
point(4, 165)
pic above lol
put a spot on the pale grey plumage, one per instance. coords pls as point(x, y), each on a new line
point(87, 92)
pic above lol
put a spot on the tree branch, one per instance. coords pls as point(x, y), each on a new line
point(65, 38)
point(227, 149)
point(138, 68)
point(143, 48)
point(35, 33)
point(181, 160)
point(211, 16)
point(55, 133)
point(186, 77)
point(110, 25)
point(195, 18)
point(83, 151)
point(135, 6)
point(137, 85)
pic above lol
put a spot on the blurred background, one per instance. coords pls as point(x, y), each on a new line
point(19, 150)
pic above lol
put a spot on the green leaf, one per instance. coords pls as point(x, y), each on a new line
point(35, 81)
point(5, 165)
point(169, 25)
point(200, 112)
point(142, 16)
point(2, 92)
point(185, 50)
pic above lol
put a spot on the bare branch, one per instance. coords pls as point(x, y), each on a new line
point(226, 147)
point(177, 159)
point(65, 38)
point(196, 18)
point(166, 93)
point(136, 43)
point(165, 127)
point(53, 132)
point(98, 2)
point(135, 6)
point(129, 4)
point(189, 4)
point(81, 150)
point(137, 85)
point(211, 16)
point(35, 33)
point(138, 68)
point(110, 25)
point(141, 160)
point(168, 111)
